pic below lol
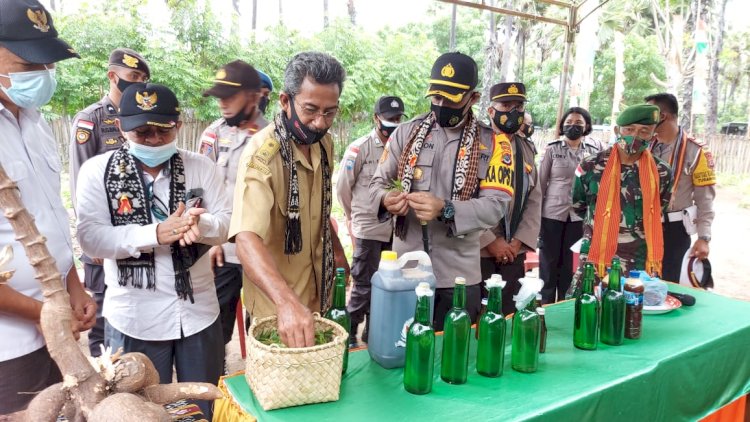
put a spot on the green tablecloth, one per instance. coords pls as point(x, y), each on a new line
point(687, 364)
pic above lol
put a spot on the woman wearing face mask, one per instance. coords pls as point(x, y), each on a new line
point(561, 227)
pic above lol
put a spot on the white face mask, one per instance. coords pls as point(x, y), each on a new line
point(31, 89)
point(152, 156)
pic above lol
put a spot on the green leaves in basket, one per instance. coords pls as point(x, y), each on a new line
point(271, 336)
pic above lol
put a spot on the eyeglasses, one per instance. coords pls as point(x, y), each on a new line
point(144, 132)
point(158, 208)
point(642, 132)
point(311, 112)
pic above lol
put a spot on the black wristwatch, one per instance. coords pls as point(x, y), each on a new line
point(448, 211)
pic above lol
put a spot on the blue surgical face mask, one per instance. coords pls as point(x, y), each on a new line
point(152, 156)
point(31, 89)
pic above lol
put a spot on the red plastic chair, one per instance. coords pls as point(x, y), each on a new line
point(532, 261)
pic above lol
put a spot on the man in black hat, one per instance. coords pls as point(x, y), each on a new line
point(371, 236)
point(236, 88)
point(29, 49)
point(514, 171)
point(152, 212)
point(94, 132)
point(442, 161)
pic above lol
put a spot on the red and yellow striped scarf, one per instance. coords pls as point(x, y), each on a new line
point(607, 214)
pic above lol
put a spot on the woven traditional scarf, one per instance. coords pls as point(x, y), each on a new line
point(465, 180)
point(608, 213)
point(293, 232)
point(128, 204)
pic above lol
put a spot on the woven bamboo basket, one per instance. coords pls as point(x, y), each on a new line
point(285, 377)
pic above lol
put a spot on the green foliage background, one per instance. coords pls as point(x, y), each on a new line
point(186, 54)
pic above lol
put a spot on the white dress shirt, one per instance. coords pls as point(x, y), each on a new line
point(28, 153)
point(142, 313)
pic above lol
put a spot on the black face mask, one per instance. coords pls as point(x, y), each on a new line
point(510, 123)
point(386, 131)
point(262, 104)
point(303, 135)
point(448, 117)
point(240, 117)
point(573, 132)
point(122, 84)
point(528, 130)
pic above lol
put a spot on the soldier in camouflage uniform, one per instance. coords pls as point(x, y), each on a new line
point(633, 130)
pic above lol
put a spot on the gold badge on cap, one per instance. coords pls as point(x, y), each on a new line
point(656, 115)
point(221, 74)
point(145, 102)
point(448, 71)
point(513, 89)
point(130, 61)
point(38, 18)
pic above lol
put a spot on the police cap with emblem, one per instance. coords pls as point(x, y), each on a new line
point(508, 91)
point(26, 30)
point(232, 78)
point(452, 76)
point(389, 107)
point(129, 59)
point(148, 104)
point(641, 114)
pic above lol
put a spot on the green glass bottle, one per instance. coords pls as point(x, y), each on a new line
point(491, 327)
point(338, 312)
point(526, 334)
point(420, 346)
point(586, 324)
point(613, 308)
point(455, 361)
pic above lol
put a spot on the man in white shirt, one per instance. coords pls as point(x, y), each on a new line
point(152, 212)
point(28, 154)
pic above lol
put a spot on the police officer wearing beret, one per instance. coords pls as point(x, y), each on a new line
point(29, 49)
point(266, 88)
point(371, 236)
point(443, 161)
point(236, 89)
point(94, 132)
point(690, 209)
point(514, 172)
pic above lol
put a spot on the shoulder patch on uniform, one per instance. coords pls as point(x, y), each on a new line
point(254, 164)
point(85, 124)
point(556, 141)
point(266, 151)
point(82, 135)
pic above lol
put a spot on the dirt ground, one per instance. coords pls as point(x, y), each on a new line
point(730, 265)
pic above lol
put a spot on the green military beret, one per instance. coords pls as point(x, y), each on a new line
point(641, 114)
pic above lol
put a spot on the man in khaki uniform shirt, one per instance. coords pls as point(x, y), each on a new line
point(371, 236)
point(280, 221)
point(693, 189)
point(504, 248)
point(452, 144)
point(236, 88)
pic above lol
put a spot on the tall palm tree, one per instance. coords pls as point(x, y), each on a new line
point(712, 112)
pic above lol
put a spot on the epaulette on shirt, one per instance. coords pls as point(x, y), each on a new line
point(556, 141)
point(263, 156)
